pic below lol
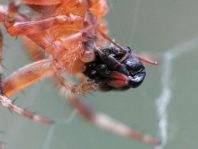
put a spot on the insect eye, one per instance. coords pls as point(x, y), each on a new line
point(93, 74)
point(133, 64)
point(137, 79)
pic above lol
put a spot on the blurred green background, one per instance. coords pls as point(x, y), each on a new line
point(167, 29)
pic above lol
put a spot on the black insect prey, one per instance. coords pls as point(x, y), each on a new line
point(115, 69)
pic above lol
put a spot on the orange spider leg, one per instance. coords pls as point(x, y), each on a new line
point(36, 26)
point(42, 2)
point(33, 72)
point(100, 119)
point(1, 71)
point(34, 29)
point(35, 52)
point(26, 76)
point(99, 7)
point(10, 86)
point(1, 14)
point(4, 13)
point(104, 121)
point(21, 79)
point(85, 85)
point(57, 48)
point(6, 102)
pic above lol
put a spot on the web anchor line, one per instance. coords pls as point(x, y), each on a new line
point(165, 97)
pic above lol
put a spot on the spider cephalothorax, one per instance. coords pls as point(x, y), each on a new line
point(115, 69)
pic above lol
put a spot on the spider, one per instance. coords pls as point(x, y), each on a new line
point(69, 36)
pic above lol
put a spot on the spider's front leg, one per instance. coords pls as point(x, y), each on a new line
point(26, 76)
point(6, 102)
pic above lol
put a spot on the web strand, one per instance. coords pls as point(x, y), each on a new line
point(164, 99)
point(50, 134)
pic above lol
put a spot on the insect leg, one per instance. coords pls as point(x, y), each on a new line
point(145, 60)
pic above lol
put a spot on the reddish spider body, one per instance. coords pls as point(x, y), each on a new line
point(68, 36)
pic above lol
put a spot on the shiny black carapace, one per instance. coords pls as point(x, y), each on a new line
point(115, 69)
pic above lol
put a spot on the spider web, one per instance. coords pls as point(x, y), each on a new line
point(165, 107)
point(163, 101)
